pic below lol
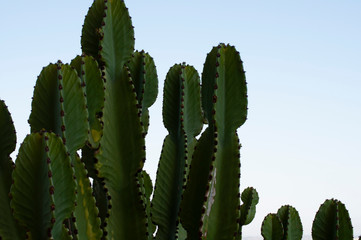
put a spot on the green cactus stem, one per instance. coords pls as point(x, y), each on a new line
point(59, 105)
point(43, 189)
point(120, 159)
point(91, 32)
point(144, 75)
point(93, 86)
point(272, 228)
point(250, 199)
point(224, 100)
point(9, 229)
point(291, 223)
point(332, 221)
point(183, 119)
point(86, 208)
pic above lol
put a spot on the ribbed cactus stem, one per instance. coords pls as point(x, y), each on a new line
point(332, 221)
point(216, 160)
point(183, 120)
point(9, 228)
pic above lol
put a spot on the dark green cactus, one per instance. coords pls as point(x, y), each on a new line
point(93, 86)
point(144, 75)
point(290, 224)
point(250, 199)
point(9, 229)
point(272, 228)
point(332, 221)
point(59, 106)
point(100, 104)
point(182, 116)
point(43, 189)
point(216, 165)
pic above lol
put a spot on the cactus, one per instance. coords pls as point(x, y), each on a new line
point(203, 210)
point(99, 104)
point(43, 189)
point(272, 228)
point(247, 209)
point(183, 118)
point(286, 224)
point(9, 229)
point(332, 221)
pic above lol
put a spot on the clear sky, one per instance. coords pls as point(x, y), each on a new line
point(302, 140)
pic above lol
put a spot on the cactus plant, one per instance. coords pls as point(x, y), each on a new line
point(332, 221)
point(286, 225)
point(99, 104)
point(272, 228)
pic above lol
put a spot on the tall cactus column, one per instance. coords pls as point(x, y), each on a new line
point(182, 117)
point(210, 207)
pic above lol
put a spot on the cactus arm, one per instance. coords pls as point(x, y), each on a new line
point(86, 213)
point(291, 223)
point(91, 34)
point(272, 228)
point(194, 194)
point(43, 191)
point(248, 208)
point(59, 105)
point(183, 119)
point(117, 44)
point(120, 158)
point(332, 221)
point(91, 79)
point(144, 74)
point(9, 229)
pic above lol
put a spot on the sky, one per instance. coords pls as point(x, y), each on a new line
point(301, 143)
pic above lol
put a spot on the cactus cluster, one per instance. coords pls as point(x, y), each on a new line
point(332, 221)
point(79, 173)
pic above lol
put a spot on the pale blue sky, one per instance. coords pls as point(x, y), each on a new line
point(302, 140)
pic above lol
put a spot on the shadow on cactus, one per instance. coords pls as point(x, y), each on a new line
point(99, 104)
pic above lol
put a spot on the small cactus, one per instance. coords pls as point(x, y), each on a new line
point(332, 221)
point(285, 225)
point(272, 228)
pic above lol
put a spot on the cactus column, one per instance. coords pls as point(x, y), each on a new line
point(211, 199)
